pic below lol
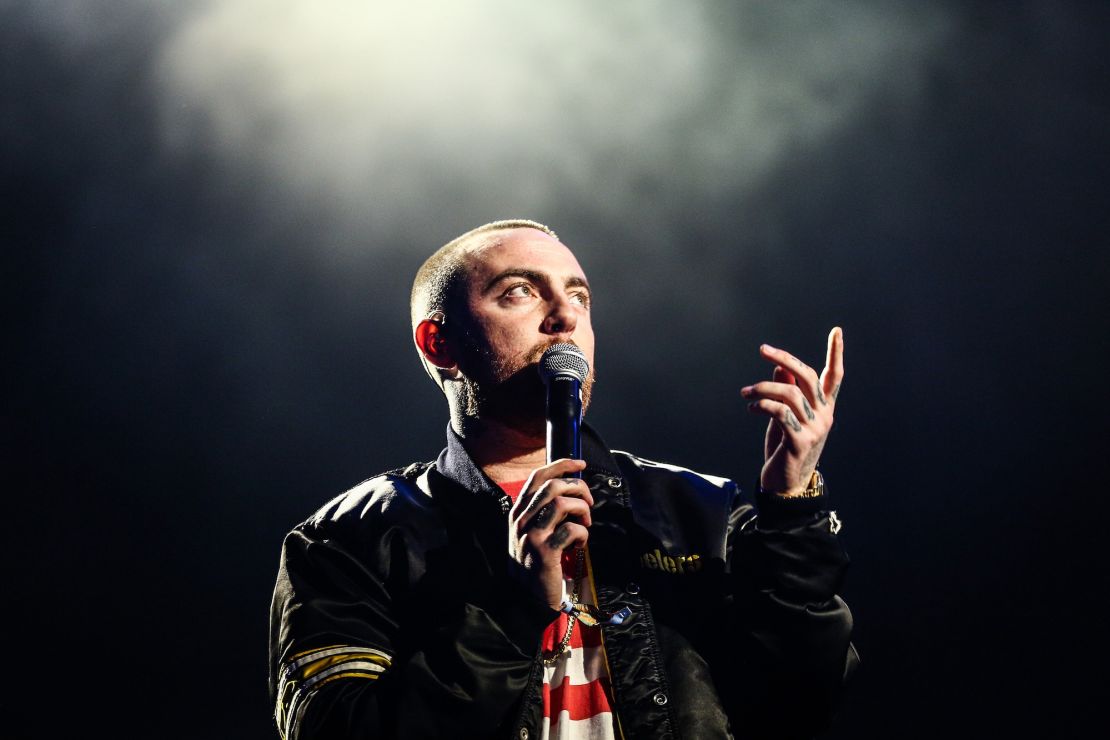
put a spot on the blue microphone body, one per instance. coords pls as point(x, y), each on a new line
point(563, 368)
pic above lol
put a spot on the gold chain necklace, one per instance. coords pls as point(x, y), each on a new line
point(551, 656)
point(577, 612)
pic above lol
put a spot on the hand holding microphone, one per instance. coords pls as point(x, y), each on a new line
point(552, 512)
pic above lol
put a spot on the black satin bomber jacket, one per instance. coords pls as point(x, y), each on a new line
point(394, 614)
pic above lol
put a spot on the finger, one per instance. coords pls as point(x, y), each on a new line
point(554, 512)
point(548, 542)
point(567, 534)
point(782, 415)
point(526, 505)
point(805, 376)
point(563, 508)
point(541, 518)
point(558, 487)
point(554, 470)
point(791, 395)
point(833, 374)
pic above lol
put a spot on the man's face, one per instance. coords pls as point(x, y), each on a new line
point(524, 291)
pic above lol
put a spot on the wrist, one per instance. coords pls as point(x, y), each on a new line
point(813, 488)
point(778, 507)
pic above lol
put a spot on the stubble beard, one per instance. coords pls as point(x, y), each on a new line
point(510, 391)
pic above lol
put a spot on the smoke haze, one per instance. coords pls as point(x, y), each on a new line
point(211, 216)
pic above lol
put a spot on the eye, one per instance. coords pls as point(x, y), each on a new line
point(582, 298)
point(520, 290)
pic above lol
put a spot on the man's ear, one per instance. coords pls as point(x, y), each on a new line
point(431, 339)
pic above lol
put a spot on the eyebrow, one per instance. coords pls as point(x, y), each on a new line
point(535, 277)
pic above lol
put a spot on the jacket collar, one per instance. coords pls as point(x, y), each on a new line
point(455, 464)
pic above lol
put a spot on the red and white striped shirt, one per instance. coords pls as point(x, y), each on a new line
point(576, 688)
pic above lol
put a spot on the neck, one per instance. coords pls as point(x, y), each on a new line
point(502, 452)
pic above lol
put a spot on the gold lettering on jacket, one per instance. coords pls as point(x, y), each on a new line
point(677, 564)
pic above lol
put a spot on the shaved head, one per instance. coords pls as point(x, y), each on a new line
point(436, 287)
point(440, 285)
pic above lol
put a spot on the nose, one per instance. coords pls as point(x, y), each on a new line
point(561, 317)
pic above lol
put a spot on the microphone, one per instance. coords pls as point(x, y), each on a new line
point(563, 368)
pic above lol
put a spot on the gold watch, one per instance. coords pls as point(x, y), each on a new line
point(813, 489)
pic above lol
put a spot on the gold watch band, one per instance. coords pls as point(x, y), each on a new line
point(815, 488)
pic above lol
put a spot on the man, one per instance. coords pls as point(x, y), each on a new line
point(492, 594)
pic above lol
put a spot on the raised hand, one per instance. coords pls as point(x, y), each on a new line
point(800, 404)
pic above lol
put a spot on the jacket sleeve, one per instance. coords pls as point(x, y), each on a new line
point(348, 660)
point(791, 652)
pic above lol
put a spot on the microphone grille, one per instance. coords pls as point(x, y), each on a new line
point(563, 359)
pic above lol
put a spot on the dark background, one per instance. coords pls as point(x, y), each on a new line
point(211, 213)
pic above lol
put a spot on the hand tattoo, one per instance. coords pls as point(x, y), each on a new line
point(821, 398)
point(542, 516)
point(559, 537)
point(808, 410)
point(836, 391)
point(792, 421)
